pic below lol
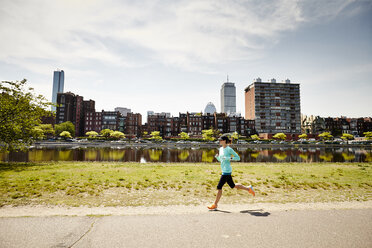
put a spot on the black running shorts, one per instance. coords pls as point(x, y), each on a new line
point(226, 179)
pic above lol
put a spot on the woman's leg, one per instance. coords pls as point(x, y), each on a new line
point(249, 188)
point(218, 196)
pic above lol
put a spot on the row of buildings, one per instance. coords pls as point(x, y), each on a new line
point(336, 126)
point(83, 115)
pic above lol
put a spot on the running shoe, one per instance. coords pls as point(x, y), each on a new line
point(250, 190)
point(212, 207)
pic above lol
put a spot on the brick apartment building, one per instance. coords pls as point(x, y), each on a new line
point(93, 122)
point(130, 124)
point(161, 122)
point(73, 108)
point(275, 107)
point(133, 124)
point(194, 124)
point(179, 124)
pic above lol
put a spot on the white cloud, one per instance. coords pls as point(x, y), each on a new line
point(187, 34)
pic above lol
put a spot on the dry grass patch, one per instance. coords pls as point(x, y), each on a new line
point(134, 184)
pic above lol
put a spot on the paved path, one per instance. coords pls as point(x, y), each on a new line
point(225, 228)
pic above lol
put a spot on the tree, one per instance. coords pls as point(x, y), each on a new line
point(184, 136)
point(48, 129)
point(20, 111)
point(325, 136)
point(66, 135)
point(280, 136)
point(368, 135)
point(346, 136)
point(91, 134)
point(106, 133)
point(155, 135)
point(255, 137)
point(235, 136)
point(302, 136)
point(38, 133)
point(117, 135)
point(208, 135)
point(65, 126)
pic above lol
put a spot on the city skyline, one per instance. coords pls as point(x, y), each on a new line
point(173, 57)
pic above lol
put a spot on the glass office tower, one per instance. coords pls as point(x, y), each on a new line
point(58, 83)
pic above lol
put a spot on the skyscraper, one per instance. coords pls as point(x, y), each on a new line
point(228, 98)
point(58, 83)
point(275, 107)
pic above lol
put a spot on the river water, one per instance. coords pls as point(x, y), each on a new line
point(191, 155)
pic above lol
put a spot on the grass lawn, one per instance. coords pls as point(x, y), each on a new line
point(134, 184)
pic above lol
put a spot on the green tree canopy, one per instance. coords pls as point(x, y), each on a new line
point(117, 135)
point(48, 129)
point(65, 126)
point(280, 136)
point(346, 136)
point(91, 134)
point(208, 135)
point(325, 136)
point(155, 135)
point(184, 136)
point(368, 135)
point(302, 136)
point(255, 137)
point(65, 134)
point(235, 136)
point(106, 132)
point(38, 133)
point(20, 111)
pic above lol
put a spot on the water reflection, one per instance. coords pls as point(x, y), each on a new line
point(155, 154)
point(142, 155)
point(208, 155)
point(184, 155)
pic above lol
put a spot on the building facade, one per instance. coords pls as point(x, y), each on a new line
point(58, 85)
point(161, 122)
point(73, 108)
point(93, 122)
point(228, 98)
point(275, 107)
point(133, 124)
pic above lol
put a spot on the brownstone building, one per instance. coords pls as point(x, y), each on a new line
point(194, 123)
point(161, 122)
point(133, 123)
point(93, 122)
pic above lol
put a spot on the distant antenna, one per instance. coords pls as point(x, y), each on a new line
point(227, 78)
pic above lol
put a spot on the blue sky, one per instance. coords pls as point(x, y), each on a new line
point(173, 56)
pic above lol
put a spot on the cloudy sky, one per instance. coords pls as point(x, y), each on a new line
point(174, 55)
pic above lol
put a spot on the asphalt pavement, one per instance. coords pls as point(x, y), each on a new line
point(245, 228)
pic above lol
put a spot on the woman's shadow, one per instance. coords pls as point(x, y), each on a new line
point(256, 212)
